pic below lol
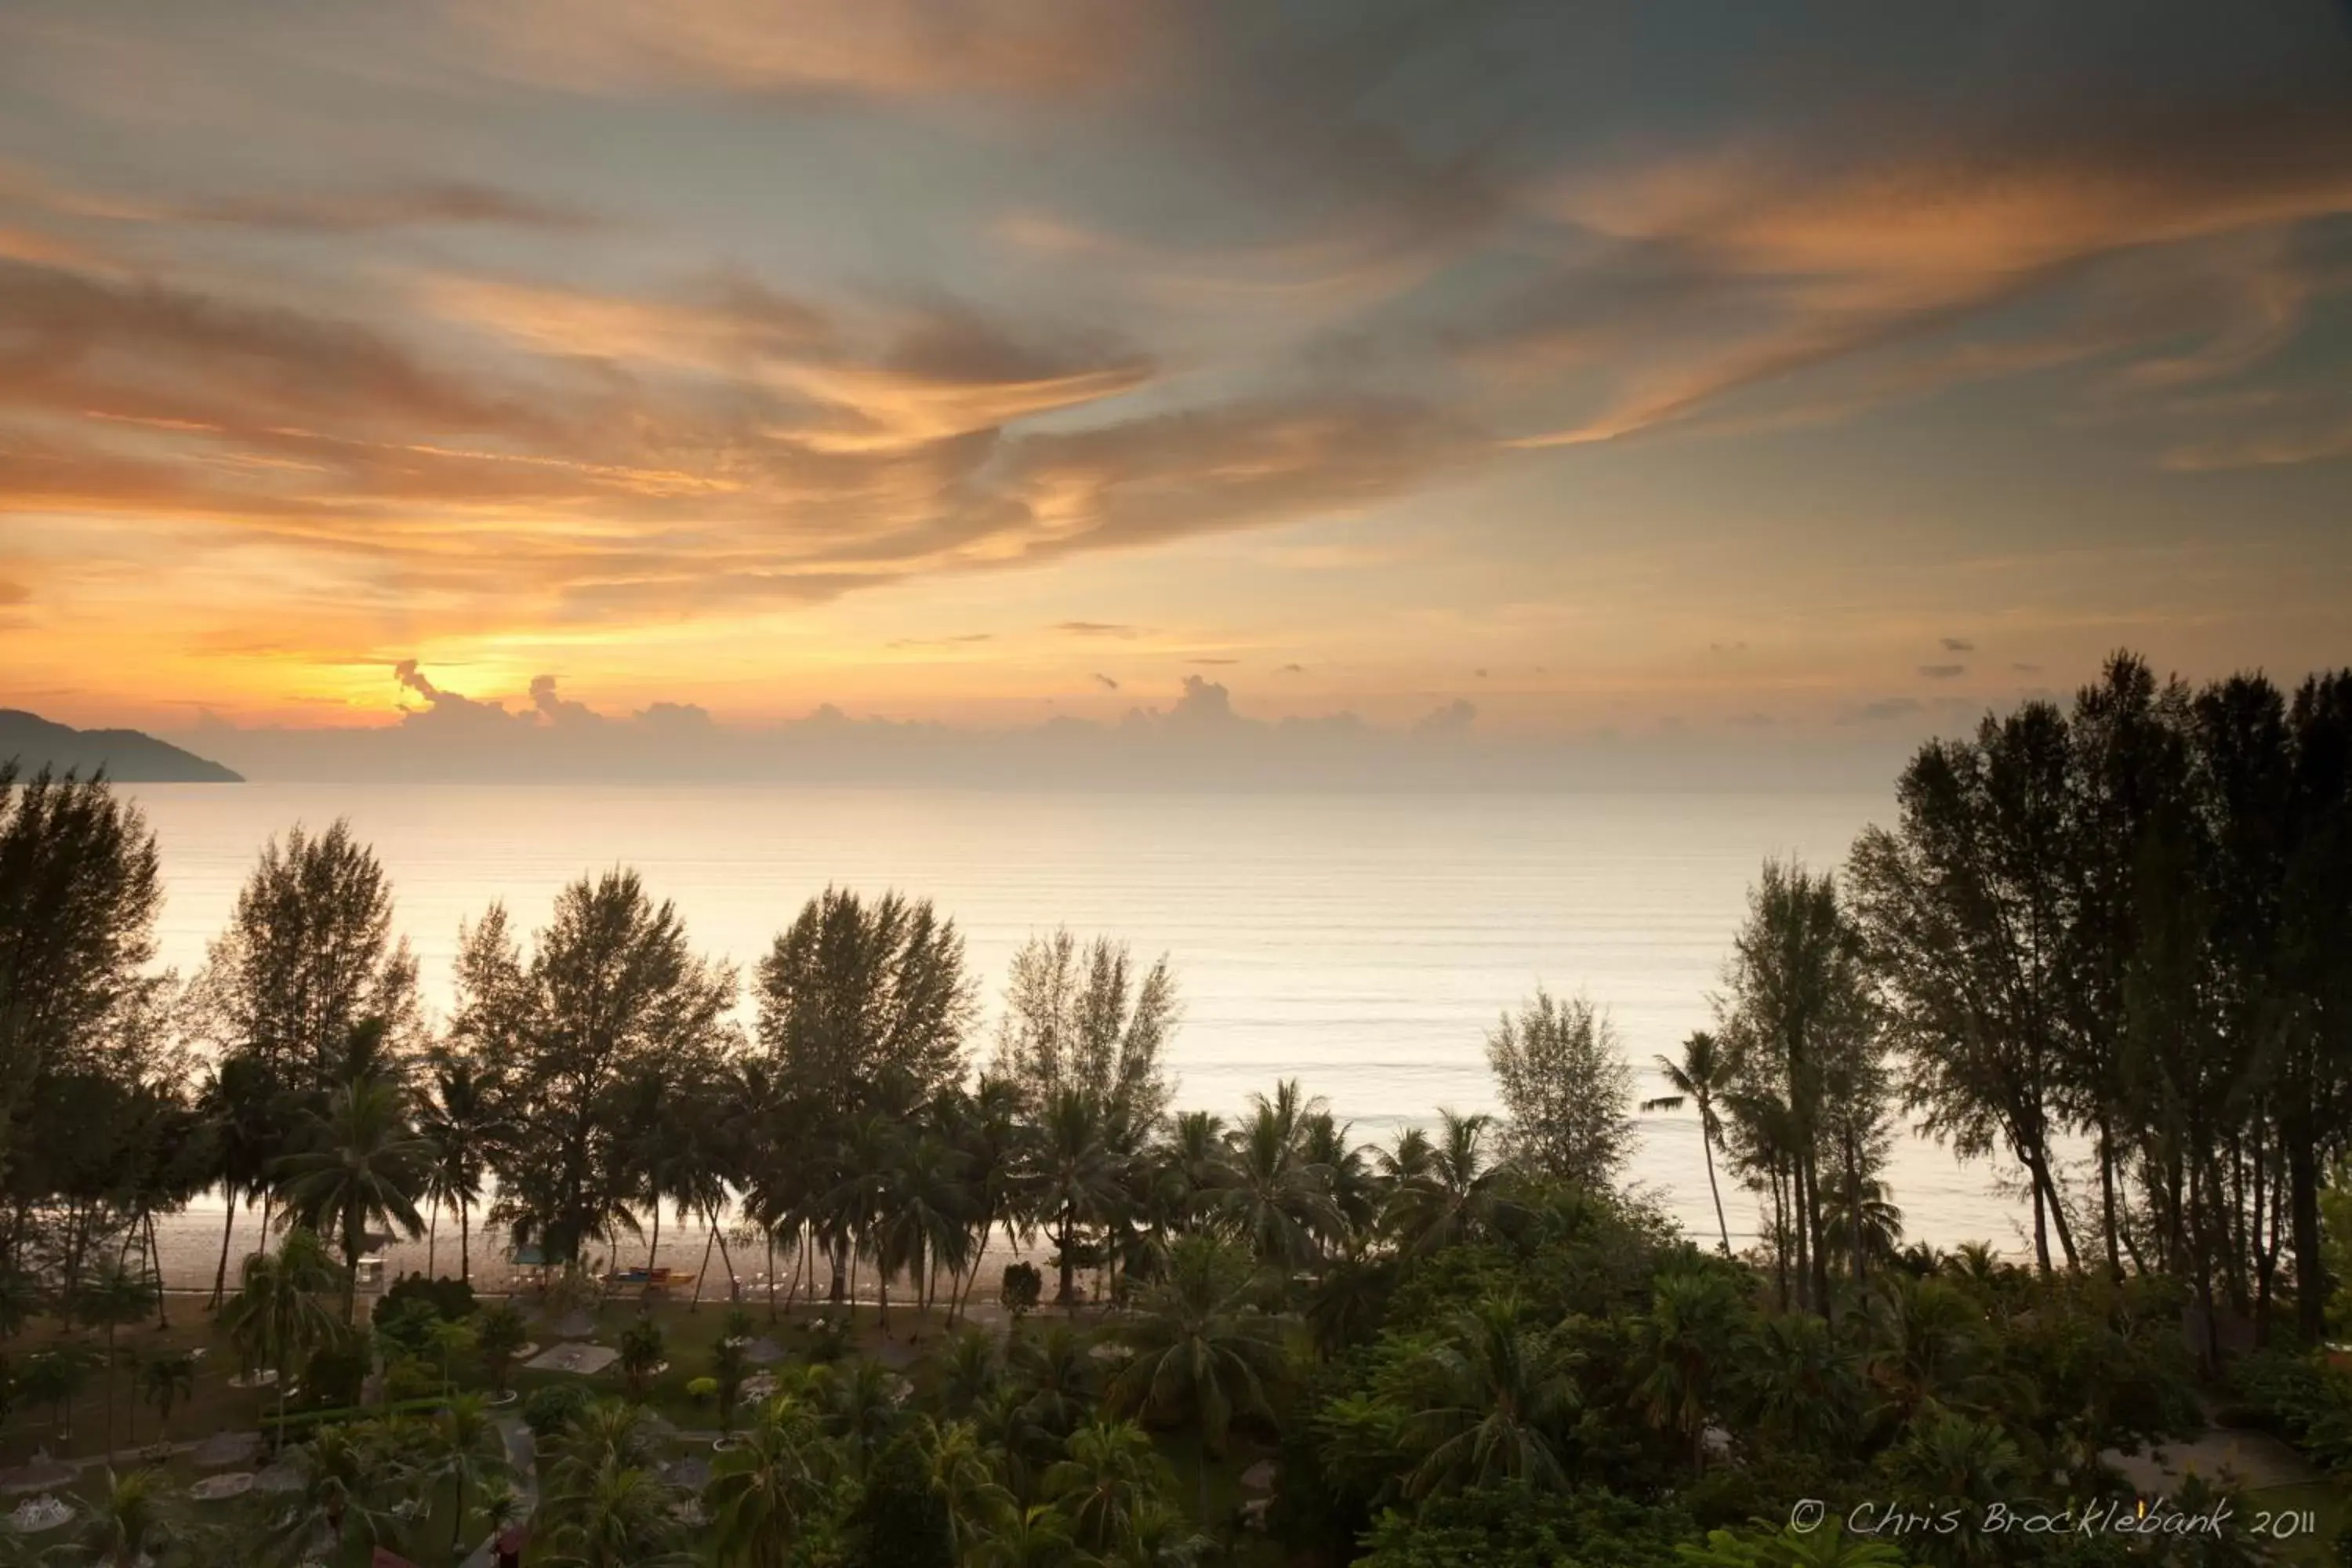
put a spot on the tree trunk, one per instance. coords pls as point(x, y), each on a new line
point(2310, 1255)
point(655, 1250)
point(156, 1262)
point(726, 1260)
point(228, 1235)
point(696, 1305)
point(1707, 1146)
point(432, 1241)
point(465, 1242)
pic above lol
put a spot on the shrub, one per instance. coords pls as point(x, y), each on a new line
point(2304, 1400)
point(404, 1326)
point(411, 1377)
point(503, 1333)
point(1022, 1289)
point(642, 1344)
point(828, 1339)
point(336, 1372)
point(449, 1298)
point(548, 1411)
point(702, 1390)
point(902, 1520)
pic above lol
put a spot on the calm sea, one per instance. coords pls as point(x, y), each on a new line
point(1360, 943)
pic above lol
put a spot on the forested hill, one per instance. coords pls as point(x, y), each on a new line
point(127, 755)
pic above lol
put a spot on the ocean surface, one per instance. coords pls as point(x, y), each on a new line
point(1363, 945)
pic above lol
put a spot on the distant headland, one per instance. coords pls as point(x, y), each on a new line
point(127, 755)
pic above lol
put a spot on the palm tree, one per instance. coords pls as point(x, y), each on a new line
point(615, 1515)
point(111, 1296)
point(244, 1107)
point(129, 1520)
point(364, 1163)
point(467, 1451)
point(1275, 1198)
point(337, 1471)
point(1443, 1191)
point(1052, 1386)
point(992, 1135)
point(1947, 1458)
point(1348, 1303)
point(1347, 1179)
point(1491, 1400)
point(965, 1470)
point(1801, 1383)
point(1865, 1212)
point(166, 1382)
point(275, 1317)
point(1034, 1537)
point(860, 1406)
point(1682, 1348)
point(1073, 1178)
point(1827, 1547)
point(1201, 1352)
point(1700, 1078)
point(1107, 1485)
point(460, 1119)
point(501, 1334)
point(1930, 1342)
point(762, 1489)
point(1191, 1161)
point(972, 1368)
point(924, 1224)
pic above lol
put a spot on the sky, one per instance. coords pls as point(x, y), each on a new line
point(1670, 373)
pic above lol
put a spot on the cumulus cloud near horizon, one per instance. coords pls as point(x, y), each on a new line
point(1199, 738)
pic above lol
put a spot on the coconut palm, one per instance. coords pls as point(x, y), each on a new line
point(131, 1519)
point(1863, 1211)
point(1052, 1381)
point(364, 1164)
point(1683, 1349)
point(971, 1367)
point(992, 1134)
point(1700, 1080)
point(923, 1223)
point(1444, 1191)
point(1947, 1458)
point(275, 1319)
point(762, 1489)
point(166, 1381)
point(1489, 1401)
point(1201, 1352)
point(965, 1470)
point(615, 1515)
point(1930, 1340)
point(460, 1118)
point(464, 1449)
point(858, 1403)
point(1072, 1178)
point(1034, 1537)
point(1107, 1485)
point(244, 1107)
point(337, 1470)
point(1274, 1197)
point(1801, 1383)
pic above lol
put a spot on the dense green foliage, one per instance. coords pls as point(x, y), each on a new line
point(2118, 928)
